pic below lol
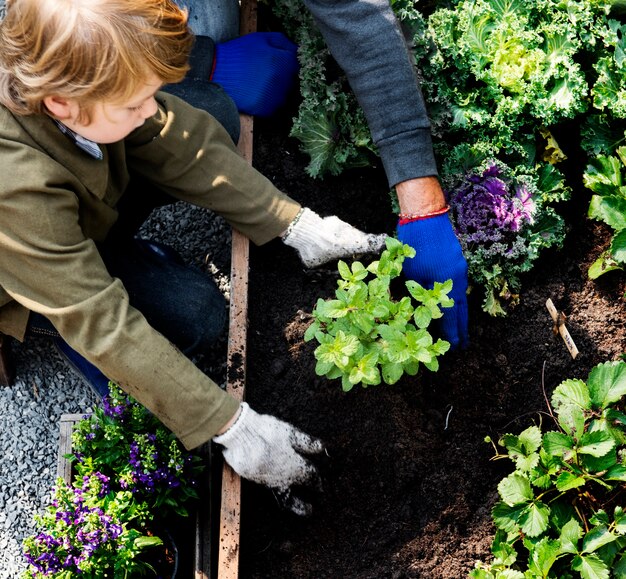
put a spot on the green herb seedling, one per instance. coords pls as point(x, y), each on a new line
point(365, 336)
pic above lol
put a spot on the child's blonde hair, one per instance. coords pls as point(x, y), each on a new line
point(88, 50)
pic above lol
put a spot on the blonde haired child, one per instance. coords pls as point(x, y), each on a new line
point(89, 144)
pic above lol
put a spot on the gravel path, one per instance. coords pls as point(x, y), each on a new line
point(46, 388)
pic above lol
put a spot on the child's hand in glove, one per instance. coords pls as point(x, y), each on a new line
point(268, 451)
point(319, 240)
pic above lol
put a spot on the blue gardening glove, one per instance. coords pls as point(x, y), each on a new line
point(438, 258)
point(257, 70)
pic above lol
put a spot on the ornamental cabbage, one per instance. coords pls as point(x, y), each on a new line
point(502, 220)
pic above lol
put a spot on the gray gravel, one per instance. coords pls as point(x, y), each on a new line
point(46, 388)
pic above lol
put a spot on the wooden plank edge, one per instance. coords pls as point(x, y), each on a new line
point(66, 425)
point(230, 510)
point(230, 503)
point(7, 367)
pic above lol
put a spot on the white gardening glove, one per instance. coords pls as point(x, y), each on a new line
point(319, 240)
point(266, 450)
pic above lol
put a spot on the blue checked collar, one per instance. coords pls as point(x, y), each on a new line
point(86, 145)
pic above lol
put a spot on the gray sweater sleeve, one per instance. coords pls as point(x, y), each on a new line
point(365, 39)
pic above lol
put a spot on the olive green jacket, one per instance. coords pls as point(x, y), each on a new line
point(56, 202)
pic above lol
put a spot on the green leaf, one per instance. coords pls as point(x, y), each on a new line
point(507, 517)
point(603, 175)
point(617, 472)
point(571, 392)
point(523, 448)
point(596, 443)
point(618, 247)
point(557, 444)
point(534, 519)
point(543, 556)
point(620, 520)
point(596, 538)
point(604, 264)
point(571, 533)
point(572, 420)
point(422, 316)
point(590, 567)
point(619, 568)
point(144, 542)
point(607, 383)
point(503, 552)
point(391, 372)
point(515, 489)
point(567, 480)
point(611, 209)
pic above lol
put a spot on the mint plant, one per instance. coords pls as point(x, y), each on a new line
point(365, 335)
point(562, 512)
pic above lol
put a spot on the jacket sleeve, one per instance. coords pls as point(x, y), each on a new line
point(188, 154)
point(365, 39)
point(48, 266)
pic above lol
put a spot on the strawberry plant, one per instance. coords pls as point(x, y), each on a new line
point(605, 177)
point(365, 335)
point(562, 512)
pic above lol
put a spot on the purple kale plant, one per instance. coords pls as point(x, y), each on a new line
point(502, 221)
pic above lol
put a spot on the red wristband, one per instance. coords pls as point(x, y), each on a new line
point(405, 218)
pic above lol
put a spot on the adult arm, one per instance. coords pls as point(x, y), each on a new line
point(366, 40)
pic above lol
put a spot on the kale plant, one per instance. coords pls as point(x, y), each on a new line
point(365, 335)
point(503, 220)
point(562, 513)
point(330, 126)
point(606, 177)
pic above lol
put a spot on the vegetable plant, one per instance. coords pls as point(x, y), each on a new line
point(504, 218)
point(605, 176)
point(365, 335)
point(562, 511)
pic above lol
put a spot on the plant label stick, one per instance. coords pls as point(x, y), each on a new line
point(559, 327)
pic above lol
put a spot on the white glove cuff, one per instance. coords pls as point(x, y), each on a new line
point(304, 230)
point(234, 431)
point(304, 234)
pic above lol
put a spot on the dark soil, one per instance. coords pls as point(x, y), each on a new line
point(408, 480)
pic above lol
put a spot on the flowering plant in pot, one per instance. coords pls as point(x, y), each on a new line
point(131, 479)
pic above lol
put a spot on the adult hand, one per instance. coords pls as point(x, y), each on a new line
point(320, 240)
point(257, 70)
point(438, 257)
point(268, 451)
point(438, 254)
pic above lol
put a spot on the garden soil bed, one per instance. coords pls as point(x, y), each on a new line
point(408, 480)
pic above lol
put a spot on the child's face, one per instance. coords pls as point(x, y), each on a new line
point(111, 122)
